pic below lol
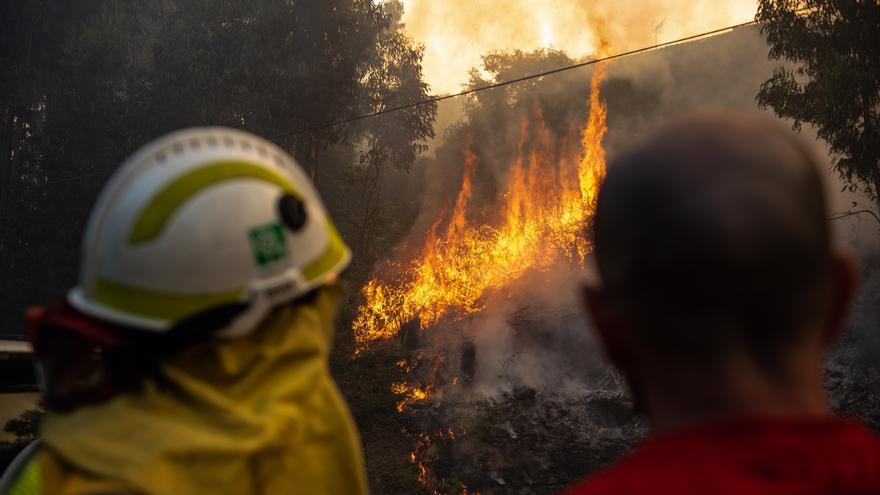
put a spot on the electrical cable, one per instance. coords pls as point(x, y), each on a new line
point(436, 99)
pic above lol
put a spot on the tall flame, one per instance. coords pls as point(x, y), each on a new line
point(551, 196)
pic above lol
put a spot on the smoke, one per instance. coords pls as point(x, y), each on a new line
point(533, 333)
point(531, 343)
point(541, 339)
point(457, 33)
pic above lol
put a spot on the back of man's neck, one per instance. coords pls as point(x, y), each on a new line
point(738, 389)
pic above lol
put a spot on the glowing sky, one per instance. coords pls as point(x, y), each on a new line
point(456, 33)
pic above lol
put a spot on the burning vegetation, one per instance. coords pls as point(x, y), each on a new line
point(550, 198)
point(498, 387)
point(539, 218)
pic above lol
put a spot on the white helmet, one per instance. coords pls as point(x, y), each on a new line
point(199, 219)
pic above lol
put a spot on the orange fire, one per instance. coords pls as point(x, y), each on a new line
point(413, 391)
point(410, 392)
point(551, 196)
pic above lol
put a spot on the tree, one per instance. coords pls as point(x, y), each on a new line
point(85, 83)
point(280, 66)
point(835, 81)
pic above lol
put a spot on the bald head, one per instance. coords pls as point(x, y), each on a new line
point(713, 233)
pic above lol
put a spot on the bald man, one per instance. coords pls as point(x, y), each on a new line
point(720, 293)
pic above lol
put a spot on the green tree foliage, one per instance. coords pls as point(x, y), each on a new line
point(835, 82)
point(85, 83)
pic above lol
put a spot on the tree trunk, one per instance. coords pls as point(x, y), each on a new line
point(367, 203)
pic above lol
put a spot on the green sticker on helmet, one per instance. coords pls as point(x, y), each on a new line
point(268, 243)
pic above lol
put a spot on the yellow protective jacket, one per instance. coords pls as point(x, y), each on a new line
point(258, 414)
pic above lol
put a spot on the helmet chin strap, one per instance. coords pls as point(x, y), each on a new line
point(263, 296)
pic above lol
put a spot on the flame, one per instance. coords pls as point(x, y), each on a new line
point(410, 392)
point(424, 449)
point(551, 196)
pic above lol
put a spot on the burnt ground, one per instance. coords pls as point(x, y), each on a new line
point(525, 439)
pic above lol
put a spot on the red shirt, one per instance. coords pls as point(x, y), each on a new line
point(756, 456)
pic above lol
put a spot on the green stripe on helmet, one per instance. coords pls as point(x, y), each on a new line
point(332, 255)
point(156, 213)
point(160, 305)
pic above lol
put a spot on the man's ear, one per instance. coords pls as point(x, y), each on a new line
point(606, 324)
point(844, 283)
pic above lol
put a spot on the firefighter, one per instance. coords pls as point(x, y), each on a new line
point(192, 356)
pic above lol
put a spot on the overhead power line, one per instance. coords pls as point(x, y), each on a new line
point(435, 99)
point(536, 75)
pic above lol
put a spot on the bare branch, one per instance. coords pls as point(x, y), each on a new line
point(849, 213)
